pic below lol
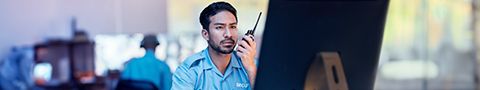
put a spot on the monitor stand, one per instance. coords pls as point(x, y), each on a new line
point(326, 73)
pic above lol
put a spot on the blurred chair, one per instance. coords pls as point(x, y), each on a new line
point(135, 85)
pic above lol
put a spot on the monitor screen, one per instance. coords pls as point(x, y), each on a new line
point(296, 30)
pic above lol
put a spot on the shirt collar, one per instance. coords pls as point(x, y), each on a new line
point(234, 61)
point(149, 53)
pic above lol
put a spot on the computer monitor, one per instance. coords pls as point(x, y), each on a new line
point(297, 30)
point(55, 53)
point(82, 55)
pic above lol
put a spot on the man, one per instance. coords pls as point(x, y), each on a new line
point(148, 68)
point(16, 69)
point(219, 67)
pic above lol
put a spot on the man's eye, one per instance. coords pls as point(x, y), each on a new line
point(219, 27)
point(233, 27)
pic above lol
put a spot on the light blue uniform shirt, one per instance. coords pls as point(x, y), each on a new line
point(199, 73)
point(149, 68)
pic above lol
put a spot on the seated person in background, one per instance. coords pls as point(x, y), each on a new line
point(148, 68)
point(16, 69)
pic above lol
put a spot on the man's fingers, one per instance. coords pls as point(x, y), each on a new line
point(249, 39)
point(245, 45)
point(241, 52)
point(253, 44)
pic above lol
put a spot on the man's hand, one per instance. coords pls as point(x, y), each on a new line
point(246, 50)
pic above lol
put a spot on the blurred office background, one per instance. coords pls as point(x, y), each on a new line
point(106, 33)
point(427, 44)
point(430, 45)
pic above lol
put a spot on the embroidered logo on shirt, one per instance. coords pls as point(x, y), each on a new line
point(241, 85)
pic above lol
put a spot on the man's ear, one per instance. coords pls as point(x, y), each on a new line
point(205, 34)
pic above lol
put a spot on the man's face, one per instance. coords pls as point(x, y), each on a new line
point(222, 33)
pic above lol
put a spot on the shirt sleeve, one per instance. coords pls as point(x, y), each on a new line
point(126, 71)
point(166, 78)
point(183, 79)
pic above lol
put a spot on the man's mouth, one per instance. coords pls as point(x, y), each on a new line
point(227, 43)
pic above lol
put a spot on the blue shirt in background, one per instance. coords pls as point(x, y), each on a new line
point(148, 68)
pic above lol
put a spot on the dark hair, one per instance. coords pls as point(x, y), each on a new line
point(150, 40)
point(212, 10)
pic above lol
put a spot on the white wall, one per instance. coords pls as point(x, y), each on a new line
point(25, 22)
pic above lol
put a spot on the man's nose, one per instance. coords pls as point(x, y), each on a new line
point(228, 33)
